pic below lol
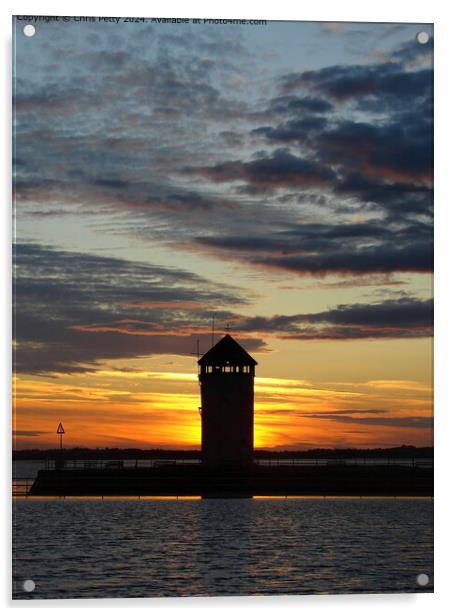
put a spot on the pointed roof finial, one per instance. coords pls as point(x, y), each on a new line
point(227, 351)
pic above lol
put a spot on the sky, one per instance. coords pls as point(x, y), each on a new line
point(275, 176)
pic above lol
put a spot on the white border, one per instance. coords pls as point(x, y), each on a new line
point(329, 10)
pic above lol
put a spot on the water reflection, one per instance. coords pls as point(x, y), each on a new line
point(160, 547)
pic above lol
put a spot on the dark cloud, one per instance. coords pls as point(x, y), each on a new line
point(384, 159)
point(387, 259)
point(350, 412)
point(406, 421)
point(357, 145)
point(302, 117)
point(293, 130)
point(28, 433)
point(108, 195)
point(399, 201)
point(383, 162)
point(318, 249)
point(294, 105)
point(402, 318)
point(147, 104)
point(389, 82)
point(397, 152)
point(62, 98)
point(401, 313)
point(73, 310)
point(280, 169)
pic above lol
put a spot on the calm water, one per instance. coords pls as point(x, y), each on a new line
point(149, 548)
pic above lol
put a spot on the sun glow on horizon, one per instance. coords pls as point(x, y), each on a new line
point(140, 408)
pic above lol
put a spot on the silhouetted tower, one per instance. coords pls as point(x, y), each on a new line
point(226, 375)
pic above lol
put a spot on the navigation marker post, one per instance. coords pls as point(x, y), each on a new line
point(60, 431)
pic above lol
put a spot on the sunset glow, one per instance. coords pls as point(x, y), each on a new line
point(160, 409)
point(194, 181)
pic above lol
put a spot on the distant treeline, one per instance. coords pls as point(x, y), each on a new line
point(81, 453)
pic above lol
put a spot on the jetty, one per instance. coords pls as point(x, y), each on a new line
point(237, 482)
point(228, 465)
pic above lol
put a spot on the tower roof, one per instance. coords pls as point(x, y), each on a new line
point(227, 351)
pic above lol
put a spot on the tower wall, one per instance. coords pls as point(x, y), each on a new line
point(227, 401)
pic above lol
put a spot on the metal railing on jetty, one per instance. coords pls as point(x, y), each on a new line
point(22, 483)
point(21, 487)
point(77, 464)
point(116, 464)
point(412, 462)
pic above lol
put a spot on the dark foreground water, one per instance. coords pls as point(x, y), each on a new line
point(151, 548)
